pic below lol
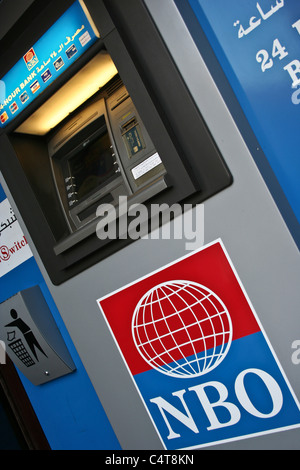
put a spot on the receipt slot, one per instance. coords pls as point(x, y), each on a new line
point(33, 341)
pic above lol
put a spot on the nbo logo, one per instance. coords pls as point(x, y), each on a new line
point(209, 407)
point(184, 330)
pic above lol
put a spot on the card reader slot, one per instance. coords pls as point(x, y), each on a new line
point(90, 228)
point(129, 125)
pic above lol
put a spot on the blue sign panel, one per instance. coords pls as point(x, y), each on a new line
point(258, 46)
point(198, 354)
point(55, 51)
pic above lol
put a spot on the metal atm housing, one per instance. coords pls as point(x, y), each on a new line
point(153, 142)
point(128, 165)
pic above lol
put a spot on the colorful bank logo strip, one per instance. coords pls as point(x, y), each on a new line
point(55, 51)
point(198, 355)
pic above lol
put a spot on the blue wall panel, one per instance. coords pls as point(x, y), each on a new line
point(68, 408)
point(258, 47)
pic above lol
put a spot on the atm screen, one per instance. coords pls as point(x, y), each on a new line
point(100, 153)
point(92, 166)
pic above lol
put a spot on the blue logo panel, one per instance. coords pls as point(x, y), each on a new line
point(246, 394)
point(54, 52)
point(258, 47)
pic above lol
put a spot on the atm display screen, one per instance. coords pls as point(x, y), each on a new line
point(92, 166)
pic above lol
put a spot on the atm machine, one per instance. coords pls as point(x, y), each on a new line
point(120, 123)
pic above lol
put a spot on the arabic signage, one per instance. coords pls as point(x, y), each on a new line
point(258, 46)
point(14, 248)
point(55, 51)
point(185, 332)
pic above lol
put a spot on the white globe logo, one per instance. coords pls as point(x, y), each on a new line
point(182, 329)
